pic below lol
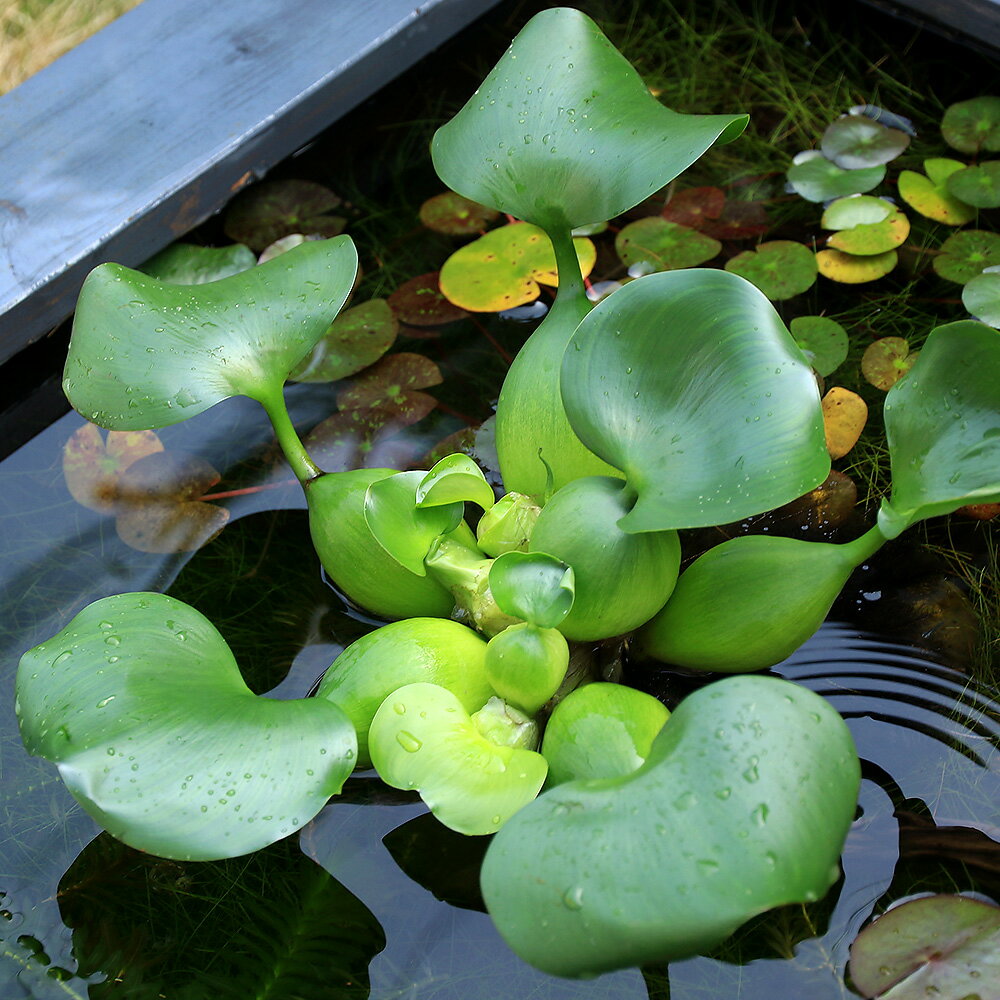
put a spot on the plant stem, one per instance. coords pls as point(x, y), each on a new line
point(568, 267)
point(273, 401)
point(865, 546)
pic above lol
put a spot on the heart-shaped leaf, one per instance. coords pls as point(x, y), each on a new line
point(973, 125)
point(663, 245)
point(268, 211)
point(981, 296)
point(731, 427)
point(942, 424)
point(189, 264)
point(779, 268)
point(141, 704)
point(816, 178)
point(455, 477)
point(356, 339)
point(534, 586)
point(724, 820)
point(849, 269)
point(563, 132)
point(966, 254)
point(823, 341)
point(454, 215)
point(886, 361)
point(855, 142)
point(526, 664)
point(978, 186)
point(144, 353)
point(419, 302)
point(929, 195)
point(947, 946)
point(92, 466)
point(845, 414)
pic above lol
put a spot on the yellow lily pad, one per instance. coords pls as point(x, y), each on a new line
point(930, 196)
point(867, 225)
point(886, 361)
point(851, 269)
point(845, 414)
point(504, 268)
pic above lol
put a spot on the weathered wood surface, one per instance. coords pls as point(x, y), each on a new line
point(140, 133)
point(977, 20)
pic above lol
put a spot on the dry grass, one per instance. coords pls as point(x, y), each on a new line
point(34, 33)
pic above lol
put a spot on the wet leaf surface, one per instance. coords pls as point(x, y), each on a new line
point(977, 186)
point(356, 339)
point(664, 245)
point(929, 194)
point(850, 269)
point(973, 125)
point(93, 464)
point(779, 268)
point(268, 211)
point(845, 414)
point(693, 207)
point(420, 302)
point(188, 264)
point(966, 254)
point(820, 179)
point(823, 340)
point(454, 215)
point(981, 296)
point(855, 143)
point(886, 361)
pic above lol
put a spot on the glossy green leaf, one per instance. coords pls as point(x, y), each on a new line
point(189, 264)
point(357, 338)
point(534, 586)
point(929, 195)
point(422, 737)
point(855, 210)
point(507, 525)
point(816, 178)
point(563, 132)
point(981, 296)
point(526, 664)
point(663, 245)
point(973, 125)
point(942, 425)
point(731, 427)
point(433, 650)
point(966, 254)
point(978, 186)
point(742, 805)
point(144, 353)
point(855, 142)
point(601, 731)
point(454, 478)
point(141, 704)
point(823, 341)
point(779, 268)
point(403, 529)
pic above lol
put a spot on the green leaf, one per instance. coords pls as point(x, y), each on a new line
point(779, 268)
point(144, 353)
point(731, 427)
point(973, 125)
point(981, 296)
point(966, 254)
point(856, 142)
point(526, 664)
point(929, 195)
point(978, 186)
point(723, 818)
point(534, 586)
point(663, 245)
point(507, 525)
point(189, 264)
point(357, 338)
point(142, 706)
point(946, 946)
point(867, 225)
point(422, 737)
point(816, 178)
point(823, 341)
point(455, 478)
point(601, 731)
point(942, 425)
point(563, 132)
point(403, 529)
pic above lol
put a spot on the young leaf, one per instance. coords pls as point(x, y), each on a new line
point(140, 703)
point(563, 132)
point(453, 478)
point(534, 586)
point(781, 269)
point(507, 525)
point(526, 664)
point(721, 815)
point(731, 427)
point(189, 264)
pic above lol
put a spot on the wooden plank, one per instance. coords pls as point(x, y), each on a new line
point(977, 20)
point(147, 128)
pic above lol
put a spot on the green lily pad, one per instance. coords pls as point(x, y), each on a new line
point(453, 215)
point(664, 245)
point(356, 339)
point(973, 125)
point(856, 143)
point(724, 816)
point(852, 269)
point(534, 586)
point(866, 239)
point(140, 703)
point(419, 302)
point(929, 195)
point(947, 946)
point(823, 341)
point(855, 210)
point(455, 477)
point(392, 384)
point(966, 254)
point(563, 131)
point(818, 179)
point(265, 212)
point(188, 264)
point(886, 361)
point(503, 269)
point(694, 206)
point(730, 428)
point(780, 268)
point(942, 425)
point(981, 296)
point(978, 186)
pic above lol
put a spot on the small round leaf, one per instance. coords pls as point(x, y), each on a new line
point(823, 341)
point(981, 296)
point(973, 125)
point(454, 215)
point(664, 245)
point(967, 254)
point(845, 414)
point(265, 212)
point(533, 586)
point(977, 186)
point(819, 179)
point(886, 361)
point(855, 143)
point(850, 269)
point(356, 339)
point(929, 195)
point(780, 268)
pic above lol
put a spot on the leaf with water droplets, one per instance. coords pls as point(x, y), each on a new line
point(189, 264)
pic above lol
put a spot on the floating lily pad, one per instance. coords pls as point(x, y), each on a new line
point(966, 254)
point(978, 186)
point(420, 302)
point(845, 414)
point(188, 264)
point(739, 220)
point(851, 269)
point(856, 143)
point(664, 245)
point(265, 212)
point(855, 210)
point(974, 125)
point(356, 339)
point(823, 340)
point(92, 466)
point(886, 361)
point(392, 384)
point(820, 179)
point(873, 227)
point(369, 437)
point(455, 215)
point(780, 268)
point(930, 196)
point(981, 296)
point(693, 206)
point(938, 946)
point(504, 268)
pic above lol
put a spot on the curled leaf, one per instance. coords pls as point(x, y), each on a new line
point(534, 586)
point(455, 477)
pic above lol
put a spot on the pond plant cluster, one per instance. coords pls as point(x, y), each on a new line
point(622, 833)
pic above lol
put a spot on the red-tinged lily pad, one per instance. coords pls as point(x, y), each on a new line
point(93, 465)
point(978, 186)
point(391, 384)
point(816, 178)
point(971, 126)
point(693, 206)
point(504, 268)
point(867, 226)
point(370, 438)
point(851, 269)
point(981, 296)
point(455, 215)
point(938, 946)
point(929, 195)
point(967, 254)
point(189, 264)
point(823, 340)
point(419, 302)
point(780, 268)
point(459, 442)
point(845, 414)
point(356, 339)
point(266, 212)
point(664, 245)
point(886, 361)
point(739, 220)
point(855, 143)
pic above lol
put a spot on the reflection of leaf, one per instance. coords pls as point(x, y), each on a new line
point(964, 255)
point(664, 245)
point(844, 416)
point(264, 213)
point(856, 142)
point(780, 268)
point(454, 215)
point(693, 206)
point(356, 338)
point(391, 384)
point(823, 340)
point(93, 466)
point(419, 302)
point(369, 438)
point(978, 186)
point(188, 264)
point(970, 126)
point(929, 195)
point(849, 269)
point(886, 361)
point(818, 179)
point(981, 296)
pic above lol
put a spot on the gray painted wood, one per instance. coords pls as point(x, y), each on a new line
point(140, 133)
point(978, 20)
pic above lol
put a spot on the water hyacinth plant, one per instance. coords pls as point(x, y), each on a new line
point(680, 401)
